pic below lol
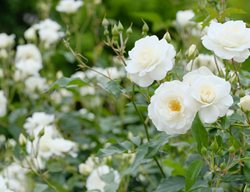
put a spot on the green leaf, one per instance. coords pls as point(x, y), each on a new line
point(171, 184)
point(139, 159)
point(65, 82)
point(199, 133)
point(112, 87)
point(40, 187)
point(115, 149)
point(156, 143)
point(193, 173)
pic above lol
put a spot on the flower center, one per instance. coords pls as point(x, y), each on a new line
point(207, 94)
point(174, 105)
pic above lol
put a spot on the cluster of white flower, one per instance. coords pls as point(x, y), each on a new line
point(69, 6)
point(47, 139)
point(49, 32)
point(28, 63)
point(13, 178)
point(3, 185)
point(175, 104)
point(96, 169)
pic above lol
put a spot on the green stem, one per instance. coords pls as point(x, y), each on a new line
point(146, 130)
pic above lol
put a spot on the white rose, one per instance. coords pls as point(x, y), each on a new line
point(15, 177)
point(95, 182)
point(28, 52)
point(230, 40)
point(38, 120)
point(245, 103)
point(49, 32)
point(6, 41)
point(207, 61)
point(68, 6)
point(88, 166)
point(3, 104)
point(48, 36)
point(172, 109)
point(3, 185)
point(183, 18)
point(30, 33)
point(212, 93)
point(48, 24)
point(51, 143)
point(29, 67)
point(34, 84)
point(150, 60)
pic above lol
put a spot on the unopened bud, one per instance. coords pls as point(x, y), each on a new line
point(105, 23)
point(203, 150)
point(129, 31)
point(41, 133)
point(214, 146)
point(231, 149)
point(22, 140)
point(223, 165)
point(191, 53)
point(167, 36)
point(245, 103)
point(145, 28)
point(115, 31)
point(106, 32)
point(32, 138)
point(120, 27)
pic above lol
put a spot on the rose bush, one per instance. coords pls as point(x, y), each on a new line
point(91, 102)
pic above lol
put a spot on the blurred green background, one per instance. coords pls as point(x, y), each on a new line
point(17, 15)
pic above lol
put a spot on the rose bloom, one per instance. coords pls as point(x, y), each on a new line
point(171, 108)
point(3, 104)
point(3, 185)
point(207, 61)
point(6, 41)
point(245, 103)
point(29, 67)
point(35, 84)
point(183, 18)
point(49, 32)
point(230, 40)
point(212, 93)
point(68, 6)
point(94, 180)
point(28, 52)
point(150, 60)
point(38, 121)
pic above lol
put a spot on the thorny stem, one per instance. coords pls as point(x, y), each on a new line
point(146, 129)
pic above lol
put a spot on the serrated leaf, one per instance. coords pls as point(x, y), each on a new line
point(171, 184)
point(193, 173)
point(112, 87)
point(156, 143)
point(115, 149)
point(65, 82)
